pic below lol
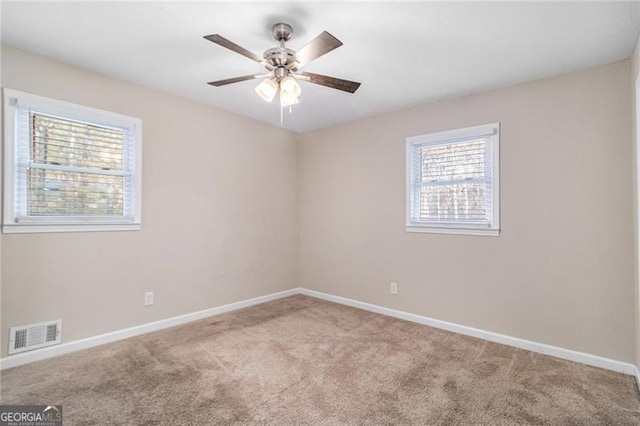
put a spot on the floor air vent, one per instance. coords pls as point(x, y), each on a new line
point(34, 336)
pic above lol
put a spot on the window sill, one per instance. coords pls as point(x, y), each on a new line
point(42, 228)
point(454, 231)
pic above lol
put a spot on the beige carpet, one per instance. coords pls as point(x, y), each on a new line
point(304, 361)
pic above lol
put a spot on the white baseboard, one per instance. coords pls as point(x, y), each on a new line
point(89, 342)
point(568, 354)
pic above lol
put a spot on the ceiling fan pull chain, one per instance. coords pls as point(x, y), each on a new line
point(281, 109)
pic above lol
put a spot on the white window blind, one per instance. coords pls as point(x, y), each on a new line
point(452, 180)
point(72, 167)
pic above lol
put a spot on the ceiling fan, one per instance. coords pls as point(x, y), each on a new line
point(284, 66)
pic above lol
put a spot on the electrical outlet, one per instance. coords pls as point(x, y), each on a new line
point(148, 298)
point(393, 288)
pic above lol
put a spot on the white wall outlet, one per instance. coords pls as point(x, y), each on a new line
point(393, 288)
point(148, 298)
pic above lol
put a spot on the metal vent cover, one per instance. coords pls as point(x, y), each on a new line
point(34, 336)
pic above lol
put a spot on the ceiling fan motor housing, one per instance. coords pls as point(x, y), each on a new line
point(280, 56)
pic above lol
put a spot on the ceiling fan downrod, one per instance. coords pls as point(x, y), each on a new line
point(280, 56)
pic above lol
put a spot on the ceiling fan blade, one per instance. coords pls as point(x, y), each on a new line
point(218, 39)
point(235, 80)
point(325, 80)
point(324, 43)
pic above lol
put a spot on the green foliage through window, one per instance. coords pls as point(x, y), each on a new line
point(76, 169)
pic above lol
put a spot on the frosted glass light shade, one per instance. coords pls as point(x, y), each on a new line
point(287, 99)
point(290, 86)
point(267, 89)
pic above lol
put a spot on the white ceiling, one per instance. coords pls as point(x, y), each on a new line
point(403, 53)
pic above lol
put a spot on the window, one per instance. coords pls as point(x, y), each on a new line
point(452, 181)
point(69, 167)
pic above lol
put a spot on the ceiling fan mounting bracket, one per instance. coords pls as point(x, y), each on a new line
point(282, 32)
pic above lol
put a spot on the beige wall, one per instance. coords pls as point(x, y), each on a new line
point(219, 215)
point(2, 332)
point(635, 74)
point(562, 276)
point(561, 272)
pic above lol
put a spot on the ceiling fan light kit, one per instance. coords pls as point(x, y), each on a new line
point(289, 90)
point(290, 86)
point(267, 89)
point(284, 64)
point(287, 99)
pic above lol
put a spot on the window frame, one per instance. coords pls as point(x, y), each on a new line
point(14, 101)
point(491, 134)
